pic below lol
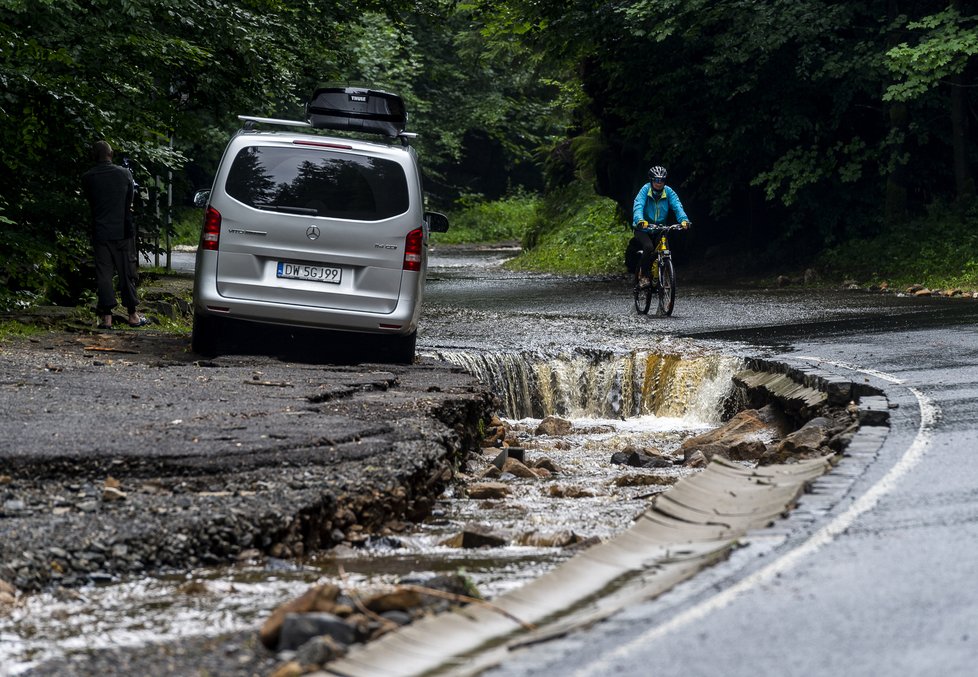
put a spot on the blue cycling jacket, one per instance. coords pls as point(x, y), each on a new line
point(654, 208)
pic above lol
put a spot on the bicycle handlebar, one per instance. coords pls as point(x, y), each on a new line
point(652, 228)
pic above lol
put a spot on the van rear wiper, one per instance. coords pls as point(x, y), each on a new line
point(286, 208)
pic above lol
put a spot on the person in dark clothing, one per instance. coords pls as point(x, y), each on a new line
point(109, 190)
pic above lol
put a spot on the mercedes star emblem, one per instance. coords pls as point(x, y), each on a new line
point(312, 232)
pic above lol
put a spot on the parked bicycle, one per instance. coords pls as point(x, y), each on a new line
point(660, 272)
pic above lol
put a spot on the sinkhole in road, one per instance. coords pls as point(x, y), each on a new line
point(610, 402)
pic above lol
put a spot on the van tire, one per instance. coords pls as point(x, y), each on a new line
point(401, 349)
point(206, 335)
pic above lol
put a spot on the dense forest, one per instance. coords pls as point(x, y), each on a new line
point(789, 126)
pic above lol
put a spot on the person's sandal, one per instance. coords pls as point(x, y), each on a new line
point(142, 322)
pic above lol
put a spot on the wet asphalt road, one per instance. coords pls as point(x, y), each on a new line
point(881, 582)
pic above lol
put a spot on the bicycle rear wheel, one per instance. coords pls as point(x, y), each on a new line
point(643, 297)
point(667, 287)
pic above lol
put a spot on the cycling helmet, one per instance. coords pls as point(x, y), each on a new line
point(658, 172)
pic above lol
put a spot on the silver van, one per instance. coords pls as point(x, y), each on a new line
point(308, 230)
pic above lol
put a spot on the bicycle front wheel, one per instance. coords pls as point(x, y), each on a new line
point(667, 287)
point(643, 296)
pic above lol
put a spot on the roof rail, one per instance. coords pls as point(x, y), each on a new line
point(251, 120)
point(271, 121)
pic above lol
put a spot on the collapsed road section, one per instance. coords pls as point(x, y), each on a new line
point(117, 460)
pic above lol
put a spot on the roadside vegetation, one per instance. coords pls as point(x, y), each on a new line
point(574, 232)
point(475, 219)
point(938, 251)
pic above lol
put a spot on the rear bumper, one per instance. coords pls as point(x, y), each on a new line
point(402, 321)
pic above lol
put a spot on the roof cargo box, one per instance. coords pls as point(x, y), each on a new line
point(357, 109)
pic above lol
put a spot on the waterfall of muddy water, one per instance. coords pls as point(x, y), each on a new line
point(603, 384)
point(614, 401)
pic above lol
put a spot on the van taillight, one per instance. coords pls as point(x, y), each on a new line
point(211, 234)
point(412, 250)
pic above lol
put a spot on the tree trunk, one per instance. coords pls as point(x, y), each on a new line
point(895, 207)
point(964, 184)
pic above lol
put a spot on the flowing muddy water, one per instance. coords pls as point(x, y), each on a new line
point(614, 401)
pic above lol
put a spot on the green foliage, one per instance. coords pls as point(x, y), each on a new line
point(938, 250)
point(13, 329)
point(947, 43)
point(477, 220)
point(577, 232)
point(187, 222)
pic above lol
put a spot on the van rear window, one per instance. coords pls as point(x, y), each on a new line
point(318, 182)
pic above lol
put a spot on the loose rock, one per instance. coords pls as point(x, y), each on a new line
point(488, 490)
point(744, 436)
point(554, 426)
point(299, 628)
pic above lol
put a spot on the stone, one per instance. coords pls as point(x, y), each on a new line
point(455, 584)
point(290, 669)
point(809, 441)
point(8, 594)
point(740, 433)
point(318, 651)
point(299, 628)
point(642, 459)
point(474, 536)
point(110, 494)
point(811, 276)
point(491, 472)
point(746, 450)
point(488, 490)
point(318, 598)
point(810, 437)
point(511, 465)
point(400, 599)
point(559, 539)
point(554, 426)
point(545, 463)
point(569, 491)
point(696, 460)
point(645, 480)
point(397, 616)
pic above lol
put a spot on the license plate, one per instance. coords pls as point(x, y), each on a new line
point(300, 271)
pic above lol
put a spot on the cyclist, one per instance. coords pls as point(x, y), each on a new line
point(651, 207)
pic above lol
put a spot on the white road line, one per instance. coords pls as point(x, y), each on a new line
point(929, 414)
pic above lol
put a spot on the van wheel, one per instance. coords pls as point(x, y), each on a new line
point(206, 335)
point(402, 348)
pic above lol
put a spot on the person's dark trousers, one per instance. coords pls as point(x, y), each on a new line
point(648, 249)
point(111, 257)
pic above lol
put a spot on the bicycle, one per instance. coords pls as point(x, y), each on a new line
point(661, 273)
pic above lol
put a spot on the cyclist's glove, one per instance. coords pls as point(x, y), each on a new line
point(686, 224)
point(641, 225)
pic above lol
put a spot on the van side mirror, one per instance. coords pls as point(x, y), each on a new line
point(201, 197)
point(437, 222)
